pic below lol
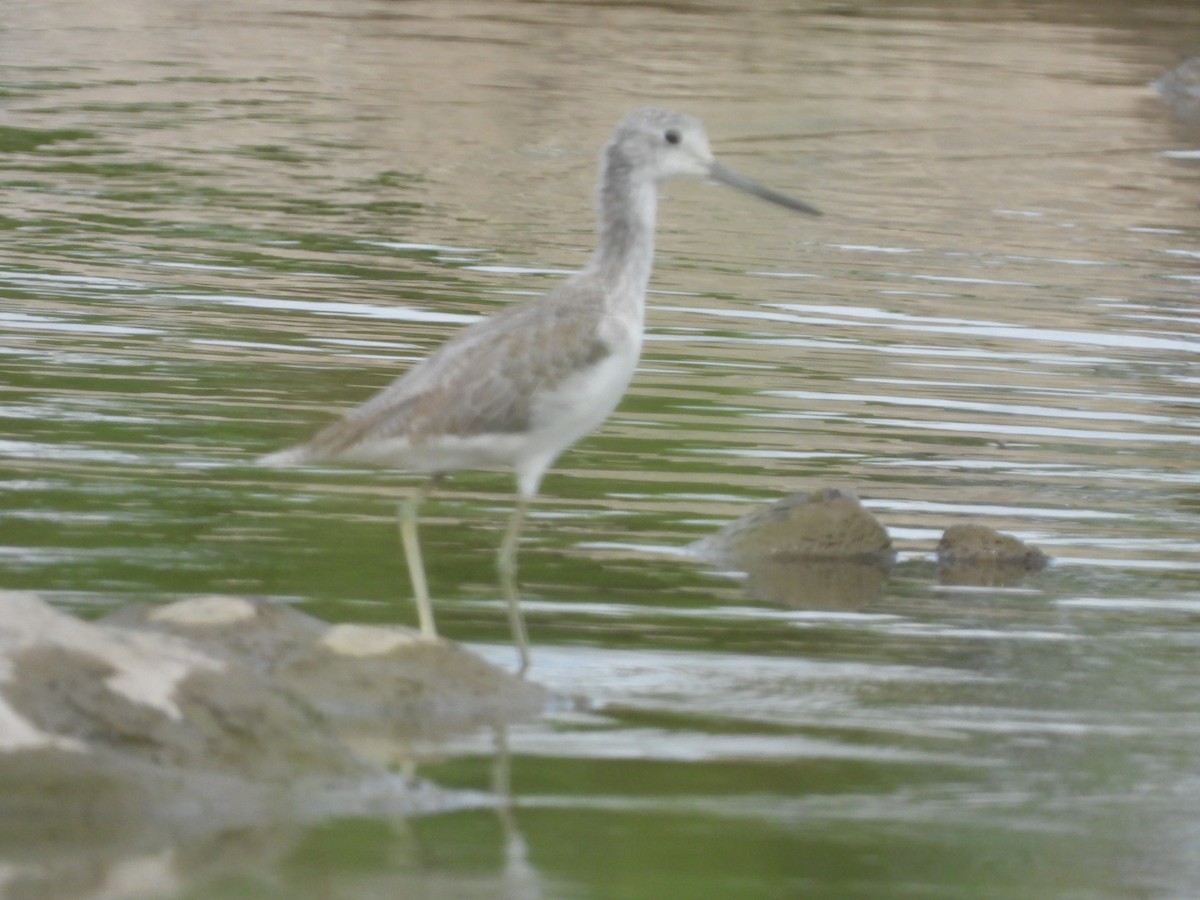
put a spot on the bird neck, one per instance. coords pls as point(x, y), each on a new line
point(628, 207)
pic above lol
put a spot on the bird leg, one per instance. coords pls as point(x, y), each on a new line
point(506, 565)
point(412, 555)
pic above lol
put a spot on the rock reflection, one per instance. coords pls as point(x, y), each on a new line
point(815, 583)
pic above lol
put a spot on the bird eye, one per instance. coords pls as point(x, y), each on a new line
point(672, 136)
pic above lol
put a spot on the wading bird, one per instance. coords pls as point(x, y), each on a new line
point(517, 389)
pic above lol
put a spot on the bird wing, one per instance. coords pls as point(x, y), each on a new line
point(483, 381)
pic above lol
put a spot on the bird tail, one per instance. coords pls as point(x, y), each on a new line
point(291, 456)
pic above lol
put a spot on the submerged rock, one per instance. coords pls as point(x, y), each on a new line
point(978, 555)
point(820, 550)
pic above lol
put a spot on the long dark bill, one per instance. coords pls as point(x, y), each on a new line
point(726, 175)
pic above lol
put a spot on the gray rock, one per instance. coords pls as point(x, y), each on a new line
point(385, 679)
point(222, 711)
point(826, 524)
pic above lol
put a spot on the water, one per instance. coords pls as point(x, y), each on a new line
point(224, 223)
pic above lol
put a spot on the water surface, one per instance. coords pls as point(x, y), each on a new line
point(224, 223)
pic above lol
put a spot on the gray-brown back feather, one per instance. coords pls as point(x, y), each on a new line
point(484, 380)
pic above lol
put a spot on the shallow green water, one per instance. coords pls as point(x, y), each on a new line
point(223, 223)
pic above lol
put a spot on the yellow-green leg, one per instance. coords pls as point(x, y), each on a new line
point(506, 565)
point(409, 511)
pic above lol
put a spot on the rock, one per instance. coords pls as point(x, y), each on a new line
point(826, 524)
point(821, 550)
point(979, 555)
point(384, 679)
point(223, 711)
point(979, 543)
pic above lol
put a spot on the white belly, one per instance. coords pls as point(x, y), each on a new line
point(559, 417)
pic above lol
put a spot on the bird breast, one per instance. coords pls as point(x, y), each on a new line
point(581, 400)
